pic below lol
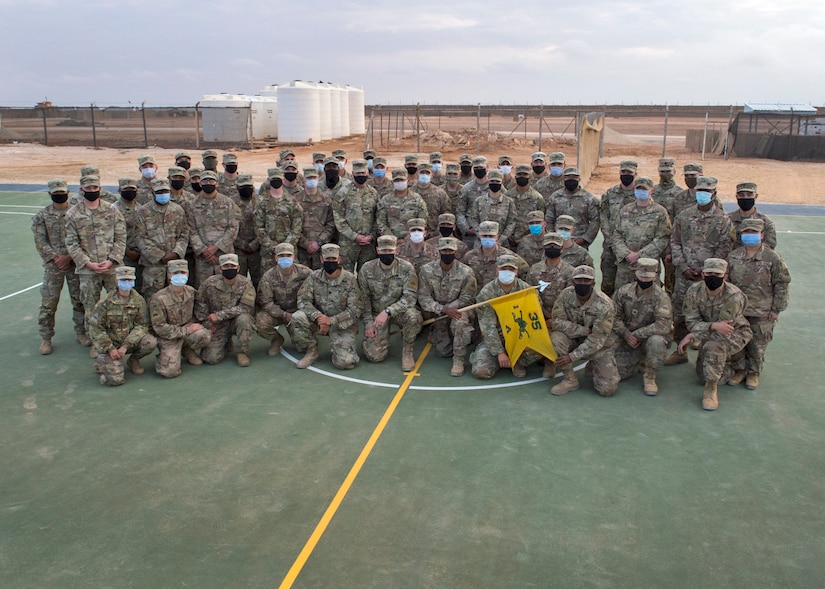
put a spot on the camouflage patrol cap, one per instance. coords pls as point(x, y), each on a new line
point(535, 217)
point(228, 260)
point(90, 180)
point(506, 261)
point(330, 250)
point(369, 154)
point(667, 164)
point(285, 152)
point(195, 172)
point(505, 158)
point(399, 174)
point(539, 156)
point(359, 165)
point(126, 183)
point(176, 171)
point(159, 184)
point(125, 272)
point(628, 165)
point(290, 164)
point(584, 272)
point(244, 180)
point(715, 265)
point(746, 187)
point(647, 268)
point(379, 161)
point(480, 161)
point(706, 183)
point(553, 238)
point(417, 223)
point(230, 158)
point(465, 158)
point(89, 170)
point(145, 159)
point(447, 243)
point(644, 182)
point(330, 159)
point(557, 157)
point(209, 153)
point(523, 169)
point(693, 168)
point(571, 171)
point(565, 222)
point(387, 242)
point(339, 153)
point(58, 185)
point(495, 175)
point(454, 168)
point(446, 219)
point(425, 167)
point(274, 173)
point(284, 249)
point(435, 156)
point(175, 266)
point(411, 158)
point(488, 228)
point(318, 157)
point(310, 172)
point(208, 175)
point(181, 154)
point(756, 224)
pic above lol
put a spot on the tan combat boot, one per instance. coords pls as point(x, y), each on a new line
point(83, 339)
point(710, 402)
point(242, 360)
point(407, 359)
point(737, 378)
point(650, 387)
point(45, 347)
point(275, 345)
point(549, 369)
point(676, 358)
point(134, 365)
point(92, 352)
point(458, 366)
point(310, 357)
point(192, 357)
point(751, 381)
point(569, 383)
point(519, 370)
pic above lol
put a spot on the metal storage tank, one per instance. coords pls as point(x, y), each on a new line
point(356, 110)
point(326, 116)
point(344, 111)
point(335, 111)
point(299, 112)
point(264, 117)
point(225, 117)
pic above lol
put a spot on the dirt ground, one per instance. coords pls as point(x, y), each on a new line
point(779, 182)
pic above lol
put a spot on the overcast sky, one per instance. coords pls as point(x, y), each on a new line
point(173, 52)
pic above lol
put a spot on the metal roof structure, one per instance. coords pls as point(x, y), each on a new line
point(779, 109)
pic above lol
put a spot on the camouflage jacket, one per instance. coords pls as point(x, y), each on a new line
point(558, 278)
point(664, 195)
point(613, 200)
point(459, 254)
point(502, 210)
point(699, 235)
point(576, 255)
point(531, 249)
point(277, 220)
point(548, 185)
point(171, 313)
point(161, 229)
point(338, 298)
point(382, 189)
point(49, 229)
point(247, 238)
point(130, 218)
point(469, 193)
point(437, 203)
point(226, 301)
point(392, 213)
point(591, 321)
point(645, 230)
point(768, 233)
point(278, 292)
point(487, 318)
point(454, 195)
point(642, 312)
point(701, 310)
point(764, 278)
point(527, 201)
point(455, 288)
point(582, 206)
point(484, 264)
point(395, 288)
point(144, 190)
point(426, 254)
point(212, 221)
point(118, 321)
point(354, 211)
point(318, 221)
point(95, 235)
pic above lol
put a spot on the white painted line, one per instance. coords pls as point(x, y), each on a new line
point(803, 232)
point(22, 206)
point(15, 213)
point(8, 296)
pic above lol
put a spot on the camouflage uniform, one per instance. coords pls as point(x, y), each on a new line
point(437, 203)
point(484, 264)
point(531, 249)
point(433, 241)
point(559, 277)
point(768, 234)
point(337, 298)
point(160, 229)
point(524, 202)
point(246, 244)
point(454, 195)
point(233, 304)
point(382, 187)
point(318, 225)
point(582, 205)
point(644, 230)
point(469, 193)
point(144, 188)
point(120, 322)
point(502, 210)
point(212, 221)
point(392, 213)
point(277, 220)
point(663, 194)
point(129, 211)
point(354, 214)
point(609, 212)
point(171, 315)
point(549, 185)
point(277, 296)
point(576, 255)
point(455, 288)
point(646, 314)
point(228, 187)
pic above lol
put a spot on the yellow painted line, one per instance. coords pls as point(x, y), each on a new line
point(299, 563)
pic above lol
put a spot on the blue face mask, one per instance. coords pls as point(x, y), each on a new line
point(436, 168)
point(163, 198)
point(179, 279)
point(424, 179)
point(751, 239)
point(488, 242)
point(564, 234)
point(312, 183)
point(556, 171)
point(506, 276)
point(505, 169)
point(703, 197)
point(319, 167)
point(369, 164)
point(285, 263)
point(126, 284)
point(534, 229)
point(641, 194)
point(379, 173)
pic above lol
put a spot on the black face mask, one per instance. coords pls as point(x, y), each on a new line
point(447, 259)
point(386, 259)
point(128, 194)
point(411, 170)
point(445, 231)
point(229, 273)
point(552, 252)
point(360, 179)
point(746, 204)
point(185, 164)
point(644, 284)
point(209, 188)
point(330, 266)
point(495, 187)
point(231, 168)
point(246, 191)
point(276, 183)
point(571, 185)
point(176, 184)
point(466, 169)
point(690, 182)
point(480, 172)
point(583, 289)
point(331, 173)
point(522, 181)
point(91, 196)
point(61, 198)
point(290, 176)
point(196, 186)
point(539, 169)
point(626, 179)
point(714, 282)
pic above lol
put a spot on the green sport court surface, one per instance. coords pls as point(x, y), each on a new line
point(269, 476)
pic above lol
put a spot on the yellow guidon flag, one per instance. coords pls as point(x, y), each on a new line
point(522, 324)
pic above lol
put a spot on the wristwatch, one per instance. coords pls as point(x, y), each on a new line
point(387, 311)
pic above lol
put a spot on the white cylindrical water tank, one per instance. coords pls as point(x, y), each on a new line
point(344, 111)
point(335, 111)
point(299, 113)
point(326, 116)
point(356, 111)
point(264, 117)
point(269, 91)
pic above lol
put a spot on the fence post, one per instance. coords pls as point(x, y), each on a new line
point(478, 129)
point(94, 132)
point(143, 116)
point(45, 129)
point(664, 140)
point(704, 136)
point(417, 127)
point(727, 132)
point(541, 123)
point(197, 126)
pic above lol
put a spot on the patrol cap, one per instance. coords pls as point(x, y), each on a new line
point(539, 156)
point(310, 172)
point(435, 156)
point(411, 158)
point(369, 154)
point(571, 171)
point(181, 154)
point(534, 217)
point(228, 260)
point(230, 158)
point(318, 156)
point(145, 159)
point(58, 185)
point(752, 225)
point(417, 223)
point(379, 161)
point(556, 157)
point(504, 158)
point(159, 184)
point(584, 272)
point(746, 187)
point(125, 272)
point(285, 152)
point(289, 164)
point(523, 169)
point(706, 182)
point(359, 165)
point(209, 153)
point(284, 248)
point(399, 174)
point(454, 168)
point(90, 180)
point(488, 228)
point(480, 161)
point(717, 265)
point(274, 173)
point(127, 183)
point(506, 261)
point(647, 268)
point(425, 167)
point(553, 238)
point(330, 250)
point(446, 219)
point(244, 180)
point(565, 222)
point(175, 171)
point(667, 164)
point(644, 182)
point(693, 168)
point(495, 175)
point(447, 243)
point(339, 153)
point(387, 242)
point(208, 175)
point(175, 266)
point(465, 158)
point(628, 165)
point(330, 159)
point(90, 170)
point(195, 172)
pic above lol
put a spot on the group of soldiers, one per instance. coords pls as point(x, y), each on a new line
point(197, 262)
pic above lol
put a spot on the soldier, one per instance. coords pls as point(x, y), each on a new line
point(610, 208)
point(318, 161)
point(582, 321)
point(328, 304)
point(340, 157)
point(369, 156)
point(763, 276)
point(411, 165)
point(579, 204)
point(119, 326)
point(292, 185)
point(491, 355)
point(49, 229)
point(395, 209)
point(225, 305)
point(714, 313)
point(354, 210)
point(642, 230)
point(90, 170)
point(213, 227)
point(382, 183)
point(435, 199)
point(209, 158)
point(686, 198)
point(482, 258)
point(413, 248)
point(246, 244)
point(526, 199)
point(278, 296)
point(642, 326)
point(447, 228)
point(476, 187)
point(128, 208)
point(171, 311)
point(162, 234)
point(148, 170)
point(227, 180)
point(663, 194)
point(495, 206)
point(96, 240)
point(572, 252)
point(452, 186)
point(195, 182)
point(436, 162)
point(465, 166)
point(538, 162)
point(444, 287)
point(318, 223)
point(746, 196)
point(332, 182)
point(531, 248)
point(505, 166)
point(183, 160)
point(554, 181)
point(177, 185)
point(389, 290)
point(698, 233)
point(278, 218)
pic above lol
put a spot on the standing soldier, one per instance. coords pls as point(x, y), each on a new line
point(246, 244)
point(685, 199)
point(538, 162)
point(394, 210)
point(278, 297)
point(278, 218)
point(746, 196)
point(411, 165)
point(447, 228)
point(472, 190)
point(663, 194)
point(482, 258)
point(172, 312)
point(178, 186)
point(438, 170)
point(225, 305)
point(318, 223)
point(209, 158)
point(389, 289)
point(49, 229)
point(613, 200)
point(328, 304)
point(293, 184)
point(531, 248)
point(228, 179)
point(642, 326)
point(572, 252)
point(380, 180)
point(505, 166)
point(577, 203)
point(213, 226)
point(465, 165)
point(554, 180)
point(120, 326)
point(414, 249)
point(452, 186)
point(526, 199)
point(90, 170)
point(444, 287)
point(183, 161)
point(435, 199)
point(495, 206)
point(354, 209)
point(148, 170)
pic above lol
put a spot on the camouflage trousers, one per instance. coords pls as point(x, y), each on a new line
point(203, 270)
point(352, 254)
point(312, 261)
point(609, 268)
point(341, 341)
point(167, 362)
point(154, 279)
point(452, 338)
point(670, 276)
point(242, 326)
point(112, 371)
point(602, 364)
point(717, 354)
point(484, 364)
point(53, 279)
point(377, 348)
point(754, 356)
point(267, 327)
point(680, 289)
point(652, 349)
point(250, 265)
point(90, 287)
